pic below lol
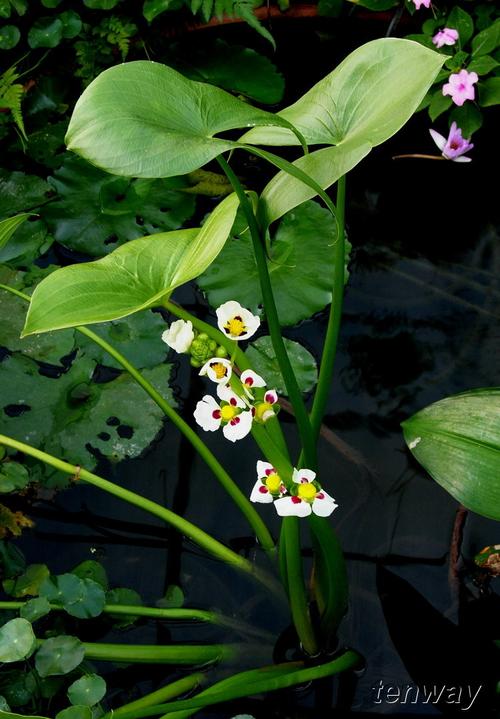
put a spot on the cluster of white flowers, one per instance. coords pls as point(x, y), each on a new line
point(306, 497)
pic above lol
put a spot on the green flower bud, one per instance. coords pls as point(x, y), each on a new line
point(202, 349)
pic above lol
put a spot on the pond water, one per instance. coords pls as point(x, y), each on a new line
point(420, 323)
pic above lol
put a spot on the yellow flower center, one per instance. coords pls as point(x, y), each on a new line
point(228, 412)
point(307, 491)
point(273, 482)
point(235, 326)
point(219, 369)
point(261, 410)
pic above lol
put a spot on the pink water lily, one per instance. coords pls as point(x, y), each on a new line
point(268, 486)
point(418, 3)
point(460, 86)
point(454, 146)
point(446, 36)
point(310, 497)
point(231, 414)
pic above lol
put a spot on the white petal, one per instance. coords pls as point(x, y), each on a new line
point(240, 429)
point(271, 396)
point(203, 414)
point(438, 139)
point(227, 394)
point(263, 467)
point(252, 378)
point(286, 507)
point(226, 312)
point(260, 496)
point(300, 474)
point(252, 323)
point(207, 370)
point(232, 309)
point(462, 158)
point(179, 336)
point(325, 506)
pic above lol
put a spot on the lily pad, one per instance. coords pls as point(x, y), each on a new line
point(9, 37)
point(301, 268)
point(28, 583)
point(35, 609)
point(45, 32)
point(20, 192)
point(90, 569)
point(59, 655)
point(13, 476)
point(96, 212)
point(263, 361)
point(76, 712)
point(17, 640)
point(87, 690)
point(81, 598)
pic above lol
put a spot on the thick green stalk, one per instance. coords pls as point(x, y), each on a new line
point(334, 318)
point(199, 615)
point(286, 368)
point(197, 535)
point(252, 516)
point(170, 691)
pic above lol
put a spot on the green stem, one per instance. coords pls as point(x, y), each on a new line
point(199, 615)
point(286, 368)
point(171, 691)
point(204, 540)
point(252, 516)
point(334, 318)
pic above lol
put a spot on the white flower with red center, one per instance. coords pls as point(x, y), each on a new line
point(179, 336)
point(231, 414)
point(218, 369)
point(235, 321)
point(264, 410)
point(249, 380)
point(310, 497)
point(268, 486)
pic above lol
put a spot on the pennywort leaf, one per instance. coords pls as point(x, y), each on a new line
point(17, 640)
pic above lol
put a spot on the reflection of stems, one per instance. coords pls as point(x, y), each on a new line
point(197, 535)
point(418, 156)
point(252, 516)
point(171, 691)
point(286, 368)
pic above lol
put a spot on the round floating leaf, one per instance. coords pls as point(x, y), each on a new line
point(301, 269)
point(263, 360)
point(45, 32)
point(28, 583)
point(457, 440)
point(96, 212)
point(133, 277)
point(82, 598)
point(13, 476)
point(17, 640)
point(88, 690)
point(173, 598)
point(59, 655)
point(76, 712)
point(90, 569)
point(143, 119)
point(34, 609)
point(9, 37)
point(90, 604)
point(367, 98)
point(71, 24)
point(125, 597)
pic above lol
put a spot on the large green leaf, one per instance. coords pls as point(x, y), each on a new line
point(133, 277)
point(263, 360)
point(17, 640)
point(59, 655)
point(144, 119)
point(96, 212)
point(20, 192)
point(9, 226)
point(368, 97)
point(301, 267)
point(457, 440)
point(87, 690)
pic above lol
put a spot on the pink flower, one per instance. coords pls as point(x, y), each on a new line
point(453, 147)
point(446, 36)
point(461, 86)
point(418, 3)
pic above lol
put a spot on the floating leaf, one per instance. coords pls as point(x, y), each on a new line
point(76, 712)
point(59, 655)
point(26, 245)
point(173, 599)
point(13, 476)
point(28, 582)
point(17, 640)
point(9, 226)
point(71, 24)
point(263, 360)
point(96, 212)
point(35, 608)
point(45, 32)
point(457, 440)
point(19, 192)
point(90, 569)
point(88, 690)
point(301, 268)
point(130, 121)
point(124, 597)
point(133, 277)
point(9, 37)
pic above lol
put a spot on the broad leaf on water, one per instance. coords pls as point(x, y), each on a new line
point(368, 97)
point(35, 609)
point(28, 583)
point(17, 640)
point(87, 690)
point(20, 192)
point(133, 277)
point(457, 440)
point(90, 569)
point(28, 242)
point(59, 655)
point(144, 119)
point(96, 212)
point(76, 712)
point(13, 476)
point(263, 360)
point(301, 268)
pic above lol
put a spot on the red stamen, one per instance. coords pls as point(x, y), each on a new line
point(263, 489)
point(216, 414)
point(320, 495)
point(296, 500)
point(233, 401)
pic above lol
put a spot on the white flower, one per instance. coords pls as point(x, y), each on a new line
point(218, 369)
point(264, 410)
point(179, 336)
point(235, 321)
point(231, 414)
point(309, 498)
point(251, 379)
point(268, 485)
